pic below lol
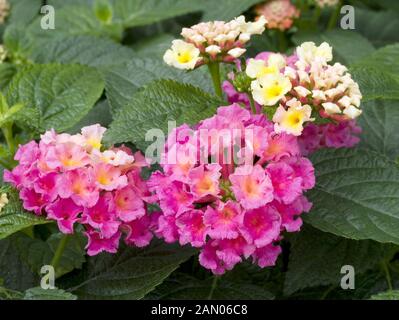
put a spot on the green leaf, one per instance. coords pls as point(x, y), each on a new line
point(375, 83)
point(124, 80)
point(99, 114)
point(75, 20)
point(379, 123)
point(133, 13)
point(15, 273)
point(154, 47)
point(182, 286)
point(23, 11)
point(317, 257)
point(38, 293)
point(37, 253)
point(152, 108)
point(389, 295)
point(7, 71)
point(80, 49)
point(13, 217)
point(342, 42)
point(356, 196)
point(380, 27)
point(224, 9)
point(385, 59)
point(61, 94)
point(131, 273)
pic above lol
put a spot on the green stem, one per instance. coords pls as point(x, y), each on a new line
point(282, 41)
point(59, 251)
point(213, 287)
point(332, 23)
point(252, 103)
point(385, 268)
point(317, 14)
point(214, 70)
point(7, 131)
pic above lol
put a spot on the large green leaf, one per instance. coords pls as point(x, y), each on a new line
point(342, 42)
point(132, 13)
point(85, 49)
point(13, 217)
point(380, 27)
point(379, 122)
point(356, 196)
point(38, 293)
point(62, 94)
point(131, 273)
point(7, 71)
point(23, 11)
point(385, 59)
point(317, 257)
point(152, 108)
point(224, 9)
point(37, 253)
point(375, 83)
point(182, 286)
point(122, 81)
point(14, 272)
point(74, 20)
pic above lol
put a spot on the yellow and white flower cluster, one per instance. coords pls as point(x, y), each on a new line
point(4, 10)
point(3, 200)
point(326, 3)
point(328, 88)
point(216, 41)
point(269, 84)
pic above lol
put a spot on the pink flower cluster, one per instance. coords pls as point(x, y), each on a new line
point(69, 179)
point(280, 14)
point(230, 208)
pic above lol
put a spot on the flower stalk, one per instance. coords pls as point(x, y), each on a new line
point(214, 70)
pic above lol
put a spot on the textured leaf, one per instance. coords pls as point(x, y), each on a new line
point(86, 50)
point(23, 11)
point(15, 273)
point(154, 47)
point(379, 122)
point(342, 42)
point(385, 59)
point(7, 71)
point(133, 13)
point(37, 253)
point(389, 295)
point(131, 273)
point(122, 81)
point(380, 27)
point(13, 217)
point(62, 94)
point(317, 257)
point(74, 20)
point(154, 106)
point(356, 196)
point(38, 293)
point(182, 286)
point(224, 9)
point(375, 83)
point(99, 114)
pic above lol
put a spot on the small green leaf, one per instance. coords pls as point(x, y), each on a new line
point(48, 294)
point(103, 11)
